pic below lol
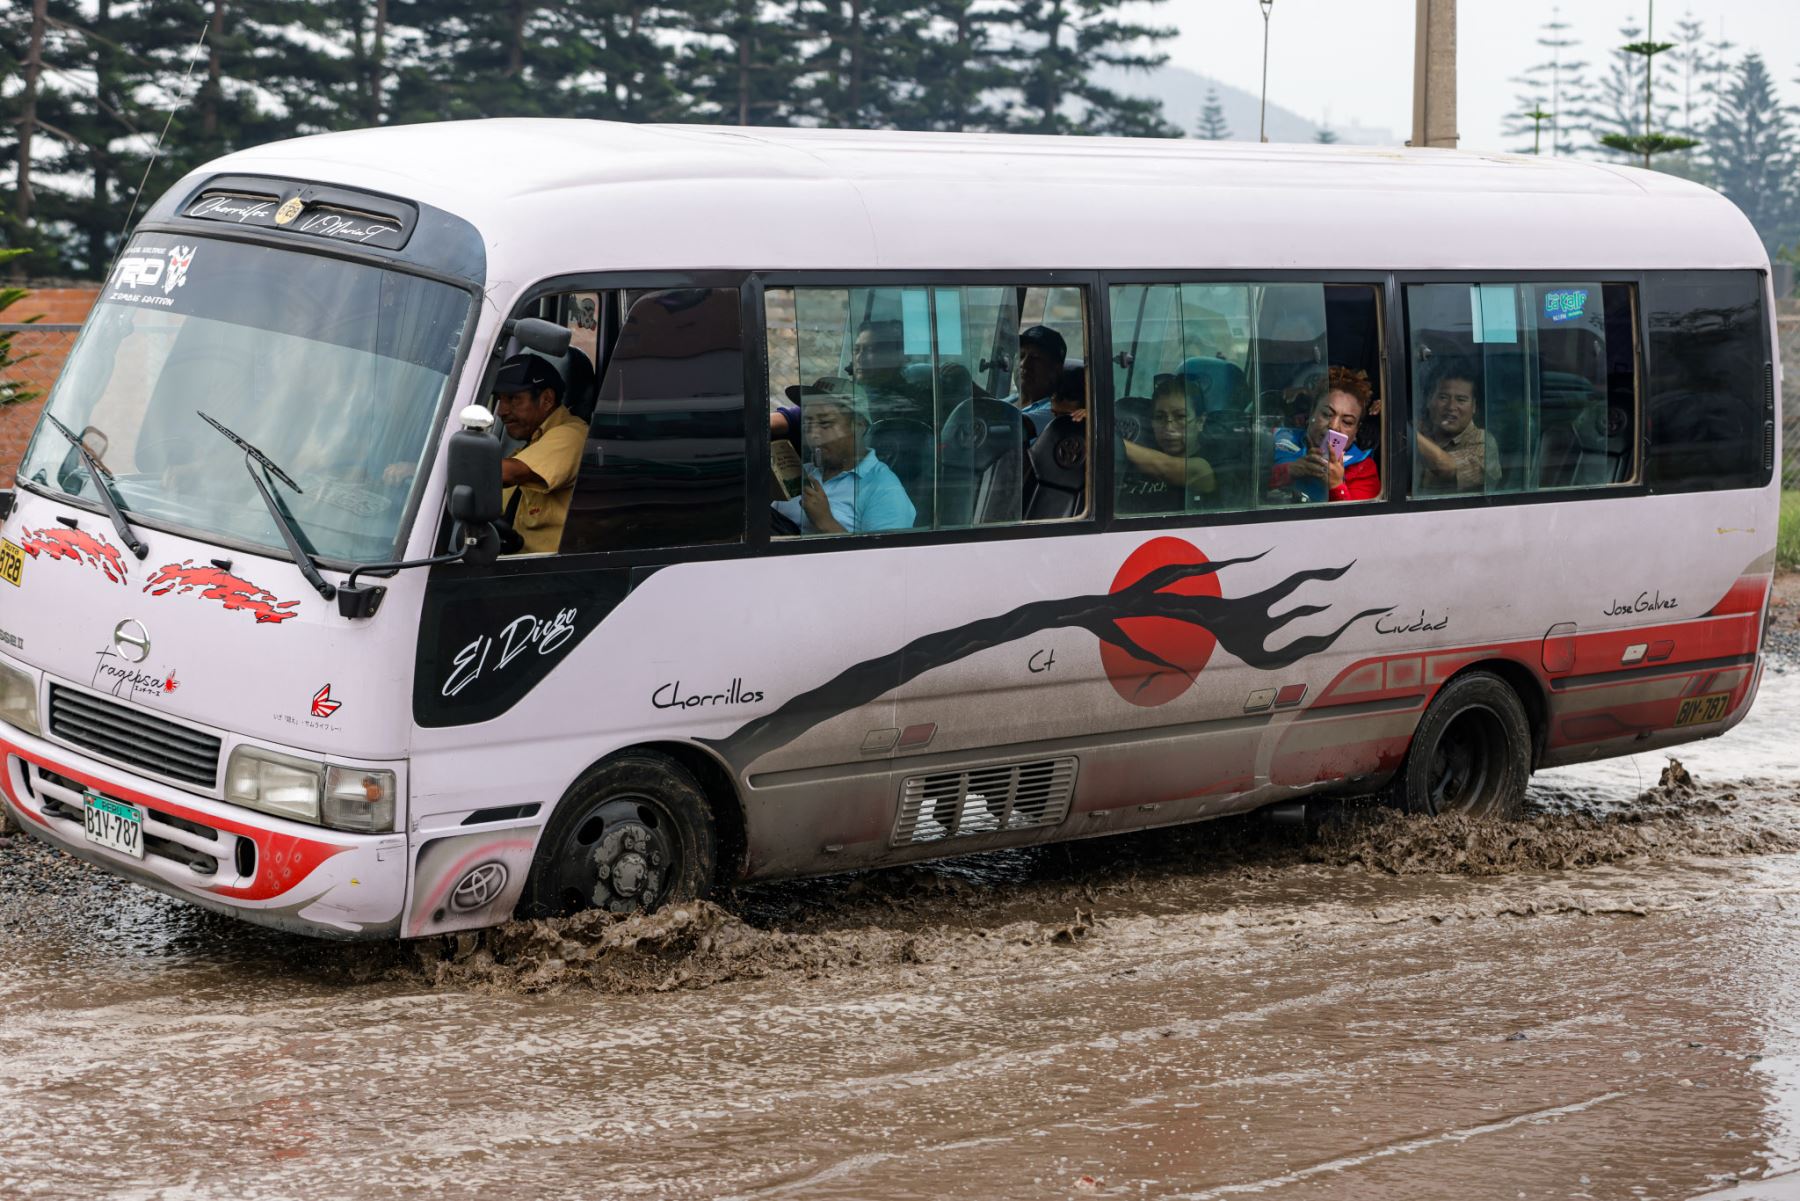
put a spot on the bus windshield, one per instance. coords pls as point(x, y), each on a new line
point(331, 369)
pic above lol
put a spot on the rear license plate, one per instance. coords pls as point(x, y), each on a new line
point(1698, 710)
point(114, 824)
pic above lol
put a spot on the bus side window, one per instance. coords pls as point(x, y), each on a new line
point(1710, 403)
point(1217, 389)
point(910, 407)
point(1521, 387)
point(664, 462)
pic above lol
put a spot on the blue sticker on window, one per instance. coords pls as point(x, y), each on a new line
point(1567, 305)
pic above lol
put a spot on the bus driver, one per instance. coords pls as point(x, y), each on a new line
point(539, 478)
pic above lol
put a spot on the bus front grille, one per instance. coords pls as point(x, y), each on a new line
point(984, 800)
point(132, 737)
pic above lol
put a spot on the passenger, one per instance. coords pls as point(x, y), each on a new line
point(844, 488)
point(1038, 373)
point(876, 359)
point(1455, 454)
point(539, 478)
point(1306, 462)
point(1166, 477)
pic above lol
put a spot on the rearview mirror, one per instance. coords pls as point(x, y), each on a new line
point(545, 337)
point(473, 477)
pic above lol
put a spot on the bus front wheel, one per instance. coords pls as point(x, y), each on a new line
point(1471, 754)
point(634, 834)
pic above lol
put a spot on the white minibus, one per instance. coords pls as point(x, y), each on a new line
point(862, 498)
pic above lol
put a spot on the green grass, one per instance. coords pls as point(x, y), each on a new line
point(1787, 542)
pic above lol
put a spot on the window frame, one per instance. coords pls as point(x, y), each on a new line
point(1098, 345)
point(1391, 345)
point(750, 319)
point(1402, 280)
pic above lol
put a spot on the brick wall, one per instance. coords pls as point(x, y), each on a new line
point(60, 310)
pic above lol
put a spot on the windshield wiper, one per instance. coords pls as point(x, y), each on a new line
point(296, 541)
point(103, 485)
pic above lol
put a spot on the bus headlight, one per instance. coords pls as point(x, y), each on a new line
point(18, 698)
point(358, 798)
point(274, 783)
point(324, 794)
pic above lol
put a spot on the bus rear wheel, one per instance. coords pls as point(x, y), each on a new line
point(634, 834)
point(1471, 754)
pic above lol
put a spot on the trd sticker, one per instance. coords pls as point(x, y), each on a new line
point(216, 584)
point(78, 545)
point(323, 705)
point(149, 269)
point(12, 562)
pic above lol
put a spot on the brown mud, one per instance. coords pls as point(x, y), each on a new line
point(960, 909)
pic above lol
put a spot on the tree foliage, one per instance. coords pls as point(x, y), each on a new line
point(108, 76)
point(1212, 127)
point(1754, 155)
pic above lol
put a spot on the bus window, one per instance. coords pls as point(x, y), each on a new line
point(925, 407)
point(1217, 387)
point(1521, 387)
point(1710, 400)
point(664, 463)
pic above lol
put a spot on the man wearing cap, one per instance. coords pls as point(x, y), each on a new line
point(539, 478)
point(844, 488)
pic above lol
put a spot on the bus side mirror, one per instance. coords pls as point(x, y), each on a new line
point(474, 470)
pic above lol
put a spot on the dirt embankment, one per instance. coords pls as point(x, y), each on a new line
point(1784, 621)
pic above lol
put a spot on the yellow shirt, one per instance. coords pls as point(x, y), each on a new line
point(554, 453)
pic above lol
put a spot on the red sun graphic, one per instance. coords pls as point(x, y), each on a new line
point(1186, 645)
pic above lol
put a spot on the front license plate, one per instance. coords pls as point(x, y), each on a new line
point(12, 562)
point(114, 824)
point(1698, 710)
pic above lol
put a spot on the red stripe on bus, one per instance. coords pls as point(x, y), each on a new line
point(282, 860)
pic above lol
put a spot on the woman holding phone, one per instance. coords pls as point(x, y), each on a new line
point(1321, 460)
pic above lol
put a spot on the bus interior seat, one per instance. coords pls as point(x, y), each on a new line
point(981, 461)
point(1056, 471)
point(1131, 421)
point(580, 388)
point(906, 447)
point(1220, 385)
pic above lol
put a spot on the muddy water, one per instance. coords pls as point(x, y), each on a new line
point(1602, 1000)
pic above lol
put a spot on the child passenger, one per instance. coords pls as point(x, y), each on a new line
point(1308, 463)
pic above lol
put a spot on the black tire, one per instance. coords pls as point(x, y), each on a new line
point(1471, 754)
point(634, 834)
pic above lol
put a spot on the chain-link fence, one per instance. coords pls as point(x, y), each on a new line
point(1790, 398)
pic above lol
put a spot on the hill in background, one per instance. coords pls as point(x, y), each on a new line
point(1182, 94)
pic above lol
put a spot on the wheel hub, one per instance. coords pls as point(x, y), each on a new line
point(629, 863)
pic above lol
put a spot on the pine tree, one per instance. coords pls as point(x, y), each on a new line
point(1754, 155)
point(960, 69)
point(1058, 43)
point(865, 61)
point(1212, 126)
point(743, 64)
point(1326, 136)
point(1557, 87)
point(1648, 139)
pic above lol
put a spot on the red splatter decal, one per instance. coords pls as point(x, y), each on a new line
point(78, 545)
point(1186, 645)
point(216, 584)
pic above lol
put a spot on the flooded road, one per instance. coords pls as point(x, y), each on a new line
point(1600, 1001)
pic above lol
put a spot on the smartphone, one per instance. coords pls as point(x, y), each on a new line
point(1337, 443)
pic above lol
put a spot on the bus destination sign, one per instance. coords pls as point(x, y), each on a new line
point(319, 220)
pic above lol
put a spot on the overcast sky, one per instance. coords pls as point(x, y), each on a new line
point(1351, 60)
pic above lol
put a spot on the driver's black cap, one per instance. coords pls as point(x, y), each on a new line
point(526, 372)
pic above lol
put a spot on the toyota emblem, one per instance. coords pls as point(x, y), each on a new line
point(132, 641)
point(483, 883)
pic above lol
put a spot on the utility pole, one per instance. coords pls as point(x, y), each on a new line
point(1262, 120)
point(1434, 74)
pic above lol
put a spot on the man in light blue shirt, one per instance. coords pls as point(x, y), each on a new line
point(844, 488)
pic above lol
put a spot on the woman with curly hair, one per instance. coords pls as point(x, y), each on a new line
point(1310, 464)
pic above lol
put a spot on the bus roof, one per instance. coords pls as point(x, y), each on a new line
point(557, 196)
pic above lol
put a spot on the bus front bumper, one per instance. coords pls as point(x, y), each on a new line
point(232, 860)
